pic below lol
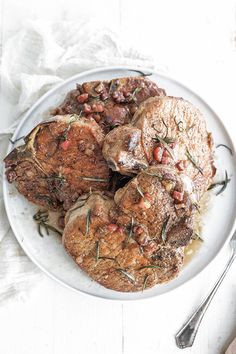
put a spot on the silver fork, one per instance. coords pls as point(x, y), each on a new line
point(186, 335)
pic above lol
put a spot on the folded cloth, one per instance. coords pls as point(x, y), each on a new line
point(232, 348)
point(38, 57)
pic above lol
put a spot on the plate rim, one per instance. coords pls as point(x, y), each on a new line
point(27, 115)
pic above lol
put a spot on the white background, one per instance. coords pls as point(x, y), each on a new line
point(194, 41)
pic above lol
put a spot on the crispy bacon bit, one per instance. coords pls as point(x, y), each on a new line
point(82, 98)
point(180, 165)
point(112, 227)
point(65, 144)
point(166, 153)
point(165, 160)
point(87, 108)
point(157, 153)
point(178, 196)
point(97, 107)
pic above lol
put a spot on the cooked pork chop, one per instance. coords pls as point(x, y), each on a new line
point(110, 103)
point(61, 159)
point(157, 198)
point(113, 254)
point(168, 131)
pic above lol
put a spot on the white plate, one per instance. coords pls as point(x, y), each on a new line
point(48, 254)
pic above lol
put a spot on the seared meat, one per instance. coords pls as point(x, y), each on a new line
point(110, 103)
point(184, 141)
point(113, 254)
point(157, 199)
point(61, 159)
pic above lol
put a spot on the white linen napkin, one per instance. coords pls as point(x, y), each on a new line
point(38, 57)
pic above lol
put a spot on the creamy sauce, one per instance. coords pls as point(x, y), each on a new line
point(194, 246)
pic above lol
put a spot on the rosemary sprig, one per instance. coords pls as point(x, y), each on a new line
point(225, 146)
point(150, 266)
point(97, 250)
point(94, 179)
point(145, 282)
point(128, 275)
point(41, 217)
point(191, 159)
point(165, 142)
point(88, 221)
point(140, 191)
point(163, 230)
point(221, 183)
point(130, 232)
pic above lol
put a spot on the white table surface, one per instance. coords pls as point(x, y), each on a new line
point(194, 41)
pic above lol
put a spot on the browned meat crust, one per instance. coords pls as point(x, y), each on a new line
point(110, 103)
point(187, 144)
point(61, 159)
point(116, 255)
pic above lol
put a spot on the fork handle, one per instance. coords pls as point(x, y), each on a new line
point(186, 335)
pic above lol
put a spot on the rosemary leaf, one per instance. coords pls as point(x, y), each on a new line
point(52, 228)
point(150, 266)
point(179, 125)
point(145, 282)
point(110, 258)
point(130, 232)
point(140, 191)
point(226, 181)
point(197, 237)
point(197, 207)
point(18, 139)
point(191, 159)
point(135, 92)
point(94, 179)
point(88, 221)
point(97, 251)
point(128, 275)
point(141, 73)
point(163, 230)
point(225, 146)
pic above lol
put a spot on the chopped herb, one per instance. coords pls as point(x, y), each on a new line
point(135, 92)
point(145, 282)
point(165, 142)
point(88, 221)
point(225, 146)
point(196, 236)
point(18, 139)
point(94, 179)
point(150, 266)
point(46, 198)
point(190, 157)
point(221, 183)
point(163, 230)
point(124, 272)
point(140, 191)
point(97, 250)
point(130, 232)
